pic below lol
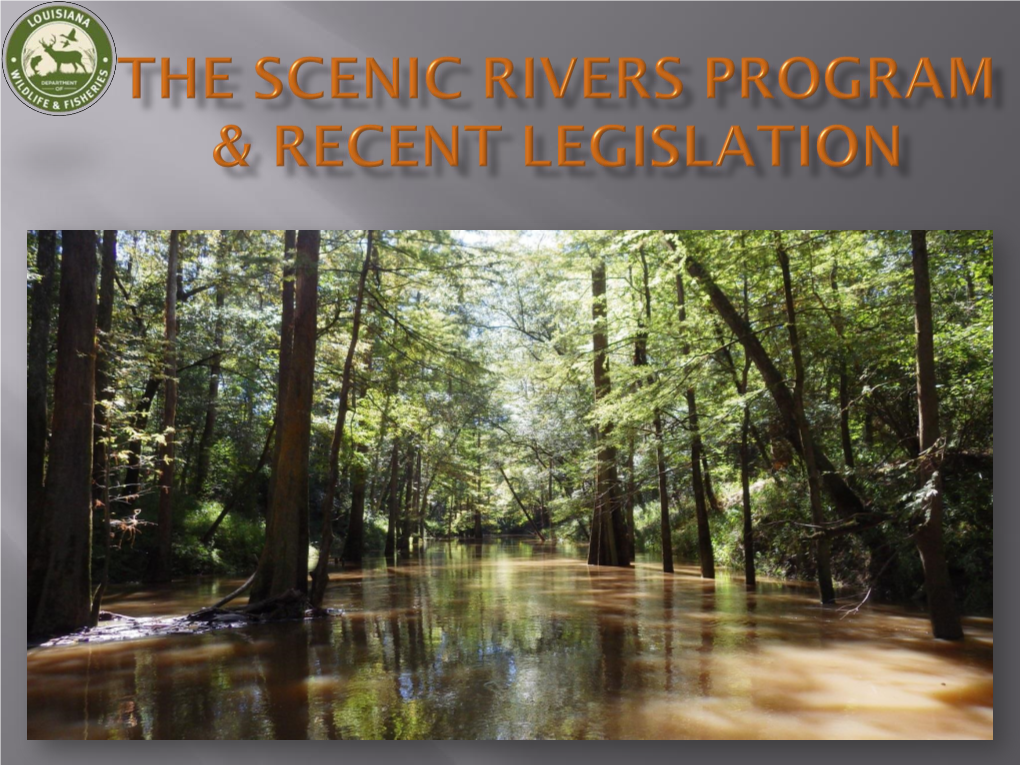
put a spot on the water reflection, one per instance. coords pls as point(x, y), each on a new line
point(516, 641)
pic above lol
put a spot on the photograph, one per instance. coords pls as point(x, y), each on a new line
point(509, 484)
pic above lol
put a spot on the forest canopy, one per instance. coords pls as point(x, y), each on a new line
point(279, 401)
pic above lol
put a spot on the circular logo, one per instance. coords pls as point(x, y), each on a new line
point(59, 58)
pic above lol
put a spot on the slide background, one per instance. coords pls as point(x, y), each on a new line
point(146, 164)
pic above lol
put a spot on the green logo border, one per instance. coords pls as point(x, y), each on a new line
point(19, 32)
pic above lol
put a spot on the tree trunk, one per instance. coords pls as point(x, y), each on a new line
point(393, 501)
point(641, 359)
point(713, 500)
point(844, 378)
point(844, 498)
point(284, 562)
point(945, 618)
point(38, 358)
point(186, 459)
point(101, 419)
point(706, 555)
point(745, 491)
point(286, 345)
point(354, 542)
point(159, 568)
point(215, 365)
point(321, 575)
point(59, 582)
point(104, 393)
point(844, 416)
point(139, 422)
point(419, 501)
point(745, 465)
point(104, 582)
point(140, 416)
point(608, 545)
point(379, 483)
point(630, 497)
point(740, 383)
point(478, 493)
point(822, 553)
point(404, 538)
point(665, 535)
point(546, 510)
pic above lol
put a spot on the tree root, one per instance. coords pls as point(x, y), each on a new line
point(291, 605)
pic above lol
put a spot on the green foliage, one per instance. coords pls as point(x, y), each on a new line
point(476, 354)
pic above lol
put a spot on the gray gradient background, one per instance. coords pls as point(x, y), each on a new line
point(146, 164)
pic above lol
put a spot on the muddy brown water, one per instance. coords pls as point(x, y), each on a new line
point(514, 640)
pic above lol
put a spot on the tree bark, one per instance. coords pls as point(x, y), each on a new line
point(745, 494)
point(354, 541)
point(706, 555)
point(713, 500)
point(284, 562)
point(286, 345)
point(750, 578)
point(844, 378)
point(945, 617)
point(38, 360)
point(393, 517)
point(101, 417)
point(630, 497)
point(844, 416)
point(59, 582)
point(104, 582)
point(641, 359)
point(215, 366)
point(320, 576)
point(159, 569)
point(822, 551)
point(608, 544)
point(665, 534)
point(419, 500)
point(404, 536)
point(478, 494)
point(104, 392)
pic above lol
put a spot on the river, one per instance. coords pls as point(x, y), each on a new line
point(513, 640)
